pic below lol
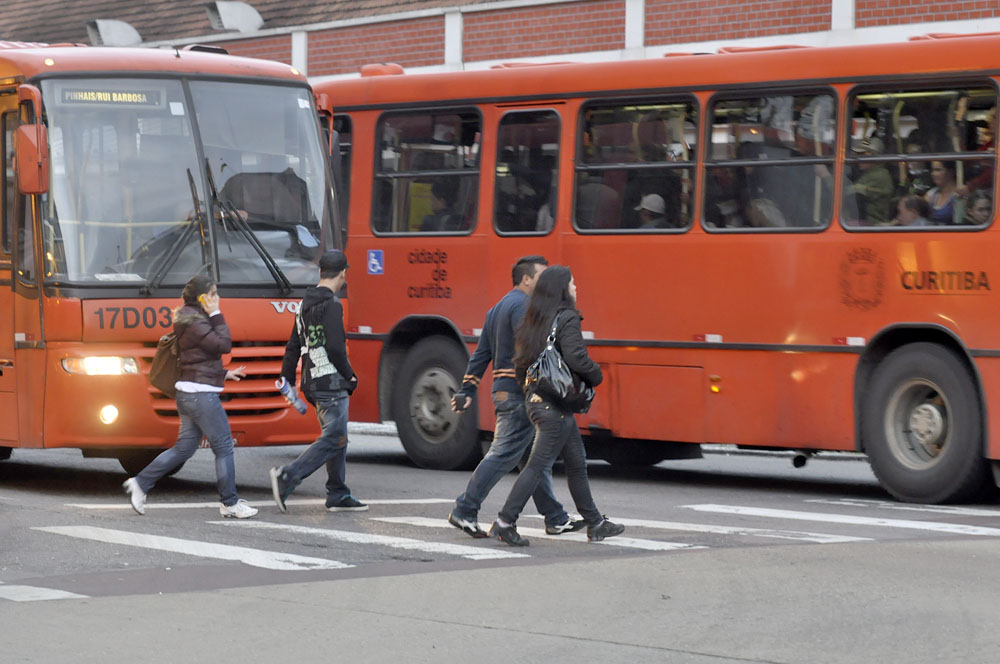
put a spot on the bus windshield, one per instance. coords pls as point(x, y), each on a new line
point(130, 162)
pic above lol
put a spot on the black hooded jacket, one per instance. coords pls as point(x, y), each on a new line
point(319, 339)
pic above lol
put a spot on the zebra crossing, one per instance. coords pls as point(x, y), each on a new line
point(700, 526)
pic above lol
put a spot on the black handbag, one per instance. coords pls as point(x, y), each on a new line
point(551, 379)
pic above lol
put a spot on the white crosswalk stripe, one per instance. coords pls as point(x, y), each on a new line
point(950, 510)
point(933, 526)
point(17, 593)
point(819, 538)
point(539, 533)
point(297, 502)
point(255, 557)
point(471, 552)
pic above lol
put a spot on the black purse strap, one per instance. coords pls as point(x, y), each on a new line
point(552, 335)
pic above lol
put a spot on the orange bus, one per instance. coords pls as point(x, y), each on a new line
point(127, 171)
point(786, 248)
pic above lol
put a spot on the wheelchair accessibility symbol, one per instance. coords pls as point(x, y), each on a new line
point(376, 264)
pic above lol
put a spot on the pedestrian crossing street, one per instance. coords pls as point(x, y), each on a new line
point(702, 526)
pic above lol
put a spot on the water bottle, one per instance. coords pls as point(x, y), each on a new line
point(291, 395)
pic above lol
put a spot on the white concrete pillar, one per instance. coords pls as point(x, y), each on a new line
point(635, 28)
point(842, 14)
point(300, 51)
point(453, 29)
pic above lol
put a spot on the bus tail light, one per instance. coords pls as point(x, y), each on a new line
point(100, 366)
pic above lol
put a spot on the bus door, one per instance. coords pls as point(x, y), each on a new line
point(8, 394)
point(27, 372)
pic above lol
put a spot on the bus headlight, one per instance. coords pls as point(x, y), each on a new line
point(108, 414)
point(100, 366)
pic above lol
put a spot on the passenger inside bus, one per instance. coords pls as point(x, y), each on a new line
point(943, 197)
point(444, 216)
point(873, 187)
point(912, 210)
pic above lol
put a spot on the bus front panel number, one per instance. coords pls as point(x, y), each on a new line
point(113, 318)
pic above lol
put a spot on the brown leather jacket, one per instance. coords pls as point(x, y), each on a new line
point(202, 341)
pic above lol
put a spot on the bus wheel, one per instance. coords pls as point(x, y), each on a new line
point(634, 453)
point(922, 426)
point(433, 435)
point(133, 461)
point(5, 453)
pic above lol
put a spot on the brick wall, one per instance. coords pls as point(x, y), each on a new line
point(546, 30)
point(416, 43)
point(271, 48)
point(896, 12)
point(676, 21)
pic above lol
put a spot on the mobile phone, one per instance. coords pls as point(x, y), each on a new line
point(203, 299)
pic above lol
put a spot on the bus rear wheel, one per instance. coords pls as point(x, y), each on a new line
point(5, 453)
point(433, 435)
point(922, 426)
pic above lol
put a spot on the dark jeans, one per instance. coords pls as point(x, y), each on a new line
point(201, 415)
point(512, 437)
point(555, 432)
point(330, 448)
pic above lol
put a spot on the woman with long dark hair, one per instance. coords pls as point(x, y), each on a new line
point(202, 338)
point(556, 430)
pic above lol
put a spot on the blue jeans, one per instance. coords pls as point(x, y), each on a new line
point(330, 448)
point(555, 432)
point(512, 437)
point(202, 415)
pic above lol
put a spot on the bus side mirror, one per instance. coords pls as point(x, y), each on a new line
point(31, 145)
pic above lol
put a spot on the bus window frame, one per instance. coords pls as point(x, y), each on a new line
point(934, 85)
point(692, 164)
point(342, 182)
point(496, 161)
point(831, 161)
point(6, 219)
point(377, 176)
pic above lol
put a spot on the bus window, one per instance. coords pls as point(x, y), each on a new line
point(921, 157)
point(633, 167)
point(426, 172)
point(8, 122)
point(527, 172)
point(340, 161)
point(771, 162)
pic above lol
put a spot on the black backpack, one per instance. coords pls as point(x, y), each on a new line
point(166, 367)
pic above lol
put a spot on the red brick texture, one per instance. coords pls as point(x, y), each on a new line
point(598, 25)
point(870, 13)
point(677, 21)
point(272, 48)
point(415, 43)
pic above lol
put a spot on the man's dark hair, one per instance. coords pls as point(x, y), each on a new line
point(526, 266)
point(917, 204)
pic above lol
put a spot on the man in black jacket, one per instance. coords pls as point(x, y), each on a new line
point(328, 380)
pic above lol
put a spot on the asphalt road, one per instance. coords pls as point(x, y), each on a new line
point(730, 558)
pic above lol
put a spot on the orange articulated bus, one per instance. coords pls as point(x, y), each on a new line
point(127, 171)
point(785, 248)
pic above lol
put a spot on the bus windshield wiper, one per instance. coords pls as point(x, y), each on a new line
point(228, 210)
point(168, 259)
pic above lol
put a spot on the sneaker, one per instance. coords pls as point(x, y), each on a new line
point(571, 526)
point(604, 529)
point(507, 534)
point(346, 504)
point(136, 496)
point(471, 528)
point(279, 487)
point(241, 510)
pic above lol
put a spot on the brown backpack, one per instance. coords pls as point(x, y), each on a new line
point(166, 367)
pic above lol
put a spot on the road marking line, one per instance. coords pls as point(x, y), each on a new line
point(470, 552)
point(820, 538)
point(255, 503)
point(627, 542)
point(255, 557)
point(35, 594)
point(884, 504)
point(951, 528)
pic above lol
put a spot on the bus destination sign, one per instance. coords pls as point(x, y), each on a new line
point(83, 96)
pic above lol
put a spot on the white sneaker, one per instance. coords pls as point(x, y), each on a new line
point(135, 495)
point(241, 510)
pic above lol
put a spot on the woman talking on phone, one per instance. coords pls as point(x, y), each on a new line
point(553, 304)
point(202, 339)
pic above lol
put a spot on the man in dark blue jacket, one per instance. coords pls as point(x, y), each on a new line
point(328, 380)
point(514, 432)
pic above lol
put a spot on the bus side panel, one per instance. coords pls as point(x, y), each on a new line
point(8, 382)
point(364, 357)
point(989, 371)
point(660, 403)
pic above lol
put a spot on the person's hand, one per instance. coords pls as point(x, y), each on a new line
point(353, 384)
point(460, 402)
point(237, 373)
point(210, 303)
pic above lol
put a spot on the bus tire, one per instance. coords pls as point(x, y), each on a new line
point(5, 453)
point(922, 426)
point(433, 435)
point(634, 453)
point(133, 461)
